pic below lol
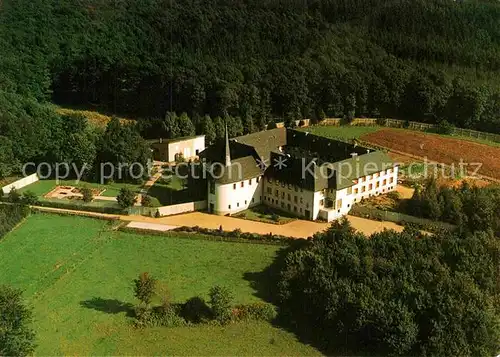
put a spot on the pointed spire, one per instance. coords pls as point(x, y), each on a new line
point(228, 154)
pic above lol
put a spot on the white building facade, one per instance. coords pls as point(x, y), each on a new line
point(288, 189)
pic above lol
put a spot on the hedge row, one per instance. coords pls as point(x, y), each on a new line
point(196, 311)
point(82, 207)
point(237, 233)
point(10, 216)
point(213, 235)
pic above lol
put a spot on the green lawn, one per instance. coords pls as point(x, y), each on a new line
point(66, 264)
point(341, 132)
point(265, 214)
point(176, 190)
point(43, 187)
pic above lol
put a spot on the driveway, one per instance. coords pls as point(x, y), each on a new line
point(297, 229)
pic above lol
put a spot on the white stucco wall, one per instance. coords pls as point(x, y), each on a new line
point(182, 208)
point(239, 198)
point(25, 181)
point(286, 195)
point(187, 148)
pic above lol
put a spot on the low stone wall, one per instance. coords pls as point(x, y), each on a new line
point(182, 208)
point(25, 181)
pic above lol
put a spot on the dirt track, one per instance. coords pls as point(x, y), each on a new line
point(440, 149)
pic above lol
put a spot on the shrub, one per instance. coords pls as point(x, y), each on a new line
point(236, 233)
point(220, 301)
point(381, 121)
point(14, 196)
point(144, 288)
point(88, 195)
point(444, 127)
point(126, 197)
point(29, 198)
point(196, 310)
point(167, 316)
point(16, 335)
point(146, 201)
point(275, 217)
point(394, 195)
point(257, 311)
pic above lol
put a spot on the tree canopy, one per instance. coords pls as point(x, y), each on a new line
point(425, 59)
point(395, 293)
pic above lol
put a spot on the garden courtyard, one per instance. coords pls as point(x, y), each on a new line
point(77, 274)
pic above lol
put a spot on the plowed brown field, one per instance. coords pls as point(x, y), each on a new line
point(440, 149)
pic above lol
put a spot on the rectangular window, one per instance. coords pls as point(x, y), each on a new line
point(384, 183)
point(295, 199)
point(289, 197)
point(356, 190)
point(234, 186)
point(276, 193)
point(370, 187)
point(377, 184)
point(245, 201)
point(269, 190)
point(242, 184)
point(391, 180)
point(362, 189)
point(349, 190)
point(237, 204)
point(339, 204)
point(282, 195)
point(250, 182)
point(229, 207)
point(301, 200)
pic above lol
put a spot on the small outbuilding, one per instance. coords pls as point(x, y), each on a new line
point(172, 150)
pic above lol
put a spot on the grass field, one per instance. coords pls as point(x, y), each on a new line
point(267, 215)
point(341, 132)
point(175, 190)
point(77, 273)
point(43, 187)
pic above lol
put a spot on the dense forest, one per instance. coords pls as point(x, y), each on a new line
point(417, 59)
point(395, 294)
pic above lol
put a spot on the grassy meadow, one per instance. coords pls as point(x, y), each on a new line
point(77, 274)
